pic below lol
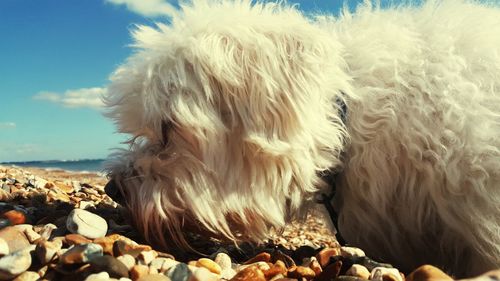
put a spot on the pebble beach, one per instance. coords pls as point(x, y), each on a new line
point(60, 225)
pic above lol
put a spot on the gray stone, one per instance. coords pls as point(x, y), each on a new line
point(86, 224)
point(180, 272)
point(111, 265)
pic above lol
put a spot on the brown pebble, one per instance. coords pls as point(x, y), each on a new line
point(209, 264)
point(428, 273)
point(121, 247)
point(15, 217)
point(75, 239)
point(301, 272)
point(154, 277)
point(81, 254)
point(15, 238)
point(249, 273)
point(106, 243)
point(275, 269)
point(330, 272)
point(315, 266)
point(265, 257)
point(324, 255)
point(138, 271)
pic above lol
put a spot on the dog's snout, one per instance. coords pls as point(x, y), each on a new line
point(113, 191)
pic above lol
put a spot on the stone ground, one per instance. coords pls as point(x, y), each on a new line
point(57, 225)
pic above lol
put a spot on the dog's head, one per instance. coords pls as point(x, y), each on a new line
point(232, 115)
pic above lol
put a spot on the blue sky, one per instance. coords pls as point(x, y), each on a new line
point(55, 60)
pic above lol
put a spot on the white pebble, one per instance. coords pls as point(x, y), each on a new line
point(4, 247)
point(86, 224)
point(14, 264)
point(379, 272)
point(127, 260)
point(102, 276)
point(358, 270)
point(223, 260)
point(352, 252)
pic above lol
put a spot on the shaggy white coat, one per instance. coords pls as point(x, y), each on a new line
point(233, 116)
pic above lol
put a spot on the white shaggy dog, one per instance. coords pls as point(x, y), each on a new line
point(235, 112)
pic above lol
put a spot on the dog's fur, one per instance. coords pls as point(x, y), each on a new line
point(234, 115)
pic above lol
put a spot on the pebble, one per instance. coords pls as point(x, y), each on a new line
point(106, 244)
point(15, 217)
point(180, 272)
point(300, 272)
point(278, 268)
point(153, 277)
point(4, 222)
point(121, 247)
point(385, 274)
point(102, 276)
point(14, 264)
point(358, 270)
point(227, 273)
point(4, 247)
point(47, 250)
point(265, 257)
point(31, 235)
point(330, 272)
point(66, 188)
point(209, 264)
point(113, 266)
point(203, 274)
point(324, 255)
point(223, 260)
point(428, 273)
point(249, 273)
point(162, 264)
point(15, 238)
point(352, 252)
point(146, 257)
point(81, 253)
point(86, 224)
point(260, 265)
point(27, 276)
point(138, 271)
point(127, 260)
point(47, 230)
point(316, 267)
point(76, 239)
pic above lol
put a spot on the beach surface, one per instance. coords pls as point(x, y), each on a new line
point(60, 225)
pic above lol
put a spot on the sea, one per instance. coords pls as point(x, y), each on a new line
point(84, 165)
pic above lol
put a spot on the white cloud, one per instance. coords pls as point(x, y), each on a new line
point(85, 97)
point(7, 125)
point(148, 8)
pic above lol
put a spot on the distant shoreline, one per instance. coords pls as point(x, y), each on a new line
point(74, 166)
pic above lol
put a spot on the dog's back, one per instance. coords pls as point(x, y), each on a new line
point(422, 178)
